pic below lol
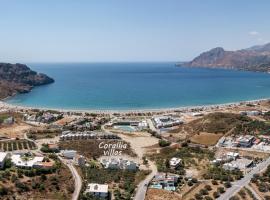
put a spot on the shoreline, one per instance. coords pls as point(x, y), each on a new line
point(4, 105)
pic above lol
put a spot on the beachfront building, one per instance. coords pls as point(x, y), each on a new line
point(98, 190)
point(119, 163)
point(251, 113)
point(135, 125)
point(175, 162)
point(86, 135)
point(166, 121)
point(3, 157)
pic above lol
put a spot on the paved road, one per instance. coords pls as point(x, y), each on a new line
point(142, 187)
point(76, 177)
point(256, 195)
point(236, 186)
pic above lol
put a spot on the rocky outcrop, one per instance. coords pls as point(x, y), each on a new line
point(256, 58)
point(18, 78)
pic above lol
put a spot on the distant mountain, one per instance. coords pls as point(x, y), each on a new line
point(256, 58)
point(18, 78)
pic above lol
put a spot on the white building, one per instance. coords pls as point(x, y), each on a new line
point(97, 190)
point(26, 162)
point(232, 155)
point(3, 157)
point(69, 154)
point(175, 162)
point(166, 121)
point(119, 163)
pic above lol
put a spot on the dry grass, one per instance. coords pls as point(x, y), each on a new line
point(90, 148)
point(155, 194)
point(206, 138)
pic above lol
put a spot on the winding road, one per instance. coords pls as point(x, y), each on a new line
point(238, 185)
point(142, 187)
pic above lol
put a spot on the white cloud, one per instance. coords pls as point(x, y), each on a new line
point(254, 33)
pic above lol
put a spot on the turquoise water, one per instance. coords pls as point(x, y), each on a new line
point(125, 128)
point(111, 86)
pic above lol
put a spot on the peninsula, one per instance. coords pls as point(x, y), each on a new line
point(18, 78)
point(256, 58)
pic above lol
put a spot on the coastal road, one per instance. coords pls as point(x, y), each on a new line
point(142, 187)
point(238, 185)
point(76, 177)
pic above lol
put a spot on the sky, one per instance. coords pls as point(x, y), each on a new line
point(127, 30)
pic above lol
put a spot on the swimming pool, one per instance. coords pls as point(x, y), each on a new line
point(125, 128)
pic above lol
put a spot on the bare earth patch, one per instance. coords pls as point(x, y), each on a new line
point(156, 194)
point(206, 138)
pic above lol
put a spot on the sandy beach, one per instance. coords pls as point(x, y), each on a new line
point(7, 106)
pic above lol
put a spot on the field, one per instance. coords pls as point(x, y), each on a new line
point(13, 145)
point(155, 194)
point(206, 138)
point(42, 133)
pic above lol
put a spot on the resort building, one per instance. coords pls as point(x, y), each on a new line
point(98, 190)
point(166, 122)
point(27, 161)
point(251, 113)
point(133, 125)
point(119, 163)
point(175, 162)
point(86, 135)
point(3, 157)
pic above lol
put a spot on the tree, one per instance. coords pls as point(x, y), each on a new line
point(164, 143)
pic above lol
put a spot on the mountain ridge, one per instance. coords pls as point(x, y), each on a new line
point(256, 58)
point(19, 78)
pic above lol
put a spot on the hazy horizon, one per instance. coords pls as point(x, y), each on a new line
point(127, 31)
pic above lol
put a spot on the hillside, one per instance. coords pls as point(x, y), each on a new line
point(18, 78)
point(256, 58)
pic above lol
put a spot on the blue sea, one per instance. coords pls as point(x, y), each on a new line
point(123, 86)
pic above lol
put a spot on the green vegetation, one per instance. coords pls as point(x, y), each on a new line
point(164, 143)
point(45, 148)
point(262, 181)
point(189, 155)
point(218, 122)
point(218, 173)
point(125, 180)
point(253, 127)
point(17, 145)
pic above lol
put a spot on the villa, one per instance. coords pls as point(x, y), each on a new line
point(164, 181)
point(98, 190)
point(175, 162)
point(166, 122)
point(119, 163)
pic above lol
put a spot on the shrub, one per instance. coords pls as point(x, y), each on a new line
point(227, 184)
point(164, 143)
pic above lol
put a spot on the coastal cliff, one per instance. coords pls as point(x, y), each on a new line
point(18, 78)
point(256, 58)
